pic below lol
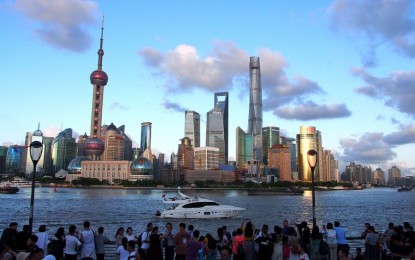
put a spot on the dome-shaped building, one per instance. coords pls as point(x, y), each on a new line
point(141, 169)
point(74, 166)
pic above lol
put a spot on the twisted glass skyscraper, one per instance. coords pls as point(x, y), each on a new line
point(255, 108)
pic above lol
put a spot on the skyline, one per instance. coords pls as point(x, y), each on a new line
point(341, 66)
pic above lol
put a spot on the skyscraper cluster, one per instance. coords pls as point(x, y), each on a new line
point(107, 152)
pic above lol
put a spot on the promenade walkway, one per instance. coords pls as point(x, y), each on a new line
point(354, 243)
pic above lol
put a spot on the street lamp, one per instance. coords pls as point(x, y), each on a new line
point(36, 149)
point(312, 161)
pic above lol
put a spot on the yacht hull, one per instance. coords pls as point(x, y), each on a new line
point(205, 213)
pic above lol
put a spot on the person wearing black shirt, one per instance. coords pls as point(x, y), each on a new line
point(265, 246)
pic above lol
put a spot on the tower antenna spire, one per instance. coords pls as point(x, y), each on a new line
point(101, 43)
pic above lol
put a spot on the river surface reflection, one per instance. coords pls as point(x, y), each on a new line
point(113, 208)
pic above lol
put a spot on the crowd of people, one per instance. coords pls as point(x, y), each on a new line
point(247, 242)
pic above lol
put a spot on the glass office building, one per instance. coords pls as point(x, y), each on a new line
point(145, 145)
point(270, 136)
point(192, 127)
point(215, 133)
point(222, 98)
point(63, 150)
point(14, 159)
point(243, 146)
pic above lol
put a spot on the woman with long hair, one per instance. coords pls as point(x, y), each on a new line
point(119, 236)
point(293, 243)
point(249, 234)
point(276, 239)
point(330, 236)
point(155, 252)
point(316, 239)
point(58, 243)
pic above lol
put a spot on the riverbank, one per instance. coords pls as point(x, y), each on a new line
point(250, 191)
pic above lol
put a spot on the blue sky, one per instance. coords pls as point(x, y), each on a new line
point(343, 66)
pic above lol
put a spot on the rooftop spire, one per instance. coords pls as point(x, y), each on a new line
point(101, 51)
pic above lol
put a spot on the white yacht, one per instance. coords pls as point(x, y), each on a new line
point(22, 183)
point(197, 207)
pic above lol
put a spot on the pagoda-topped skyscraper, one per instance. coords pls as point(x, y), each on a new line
point(94, 146)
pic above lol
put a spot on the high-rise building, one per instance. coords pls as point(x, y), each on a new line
point(328, 167)
point(81, 145)
point(3, 156)
point(358, 173)
point(63, 150)
point(279, 156)
point(14, 159)
point(318, 171)
point(128, 144)
point(255, 107)
point(379, 177)
point(270, 136)
point(206, 158)
point(243, 146)
point(47, 155)
point(94, 147)
point(222, 98)
point(31, 137)
point(290, 142)
point(306, 141)
point(173, 161)
point(192, 127)
point(185, 154)
point(114, 144)
point(145, 144)
point(215, 133)
point(394, 173)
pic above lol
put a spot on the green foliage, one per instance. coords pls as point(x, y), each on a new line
point(87, 181)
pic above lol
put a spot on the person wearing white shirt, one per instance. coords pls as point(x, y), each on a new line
point(88, 241)
point(129, 234)
point(145, 237)
point(43, 239)
point(72, 242)
point(122, 252)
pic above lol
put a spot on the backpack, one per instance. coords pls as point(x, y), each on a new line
point(323, 248)
point(140, 240)
point(240, 251)
point(211, 244)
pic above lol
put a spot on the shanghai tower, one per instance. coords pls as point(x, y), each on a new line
point(255, 108)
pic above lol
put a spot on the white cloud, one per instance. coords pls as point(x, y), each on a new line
point(396, 90)
point(61, 23)
point(311, 111)
point(51, 131)
point(379, 21)
point(118, 105)
point(227, 67)
point(370, 148)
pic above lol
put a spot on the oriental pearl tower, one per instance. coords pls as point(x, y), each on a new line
point(94, 146)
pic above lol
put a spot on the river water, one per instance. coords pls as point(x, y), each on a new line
point(112, 208)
